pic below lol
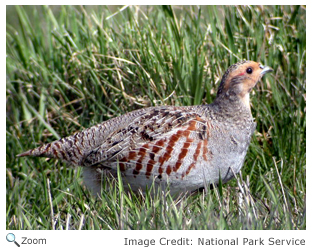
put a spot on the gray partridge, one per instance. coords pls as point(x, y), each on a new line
point(182, 148)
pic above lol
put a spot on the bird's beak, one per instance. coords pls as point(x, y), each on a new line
point(265, 69)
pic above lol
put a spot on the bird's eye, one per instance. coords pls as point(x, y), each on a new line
point(249, 70)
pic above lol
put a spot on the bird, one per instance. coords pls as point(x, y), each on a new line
point(180, 148)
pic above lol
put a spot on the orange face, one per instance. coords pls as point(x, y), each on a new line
point(242, 77)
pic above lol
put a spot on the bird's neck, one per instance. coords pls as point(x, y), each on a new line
point(228, 106)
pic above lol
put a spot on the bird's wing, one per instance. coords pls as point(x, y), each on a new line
point(161, 134)
point(148, 134)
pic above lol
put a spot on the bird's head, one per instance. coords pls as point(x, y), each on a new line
point(240, 78)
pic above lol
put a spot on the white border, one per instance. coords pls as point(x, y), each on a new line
point(107, 240)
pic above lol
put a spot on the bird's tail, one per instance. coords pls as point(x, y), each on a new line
point(42, 151)
point(64, 149)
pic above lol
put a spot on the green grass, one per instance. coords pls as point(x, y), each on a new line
point(72, 67)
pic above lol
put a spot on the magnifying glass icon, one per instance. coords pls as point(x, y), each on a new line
point(11, 238)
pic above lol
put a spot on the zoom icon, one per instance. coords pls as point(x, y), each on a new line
point(11, 238)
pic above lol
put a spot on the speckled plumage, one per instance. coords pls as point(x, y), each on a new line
point(183, 148)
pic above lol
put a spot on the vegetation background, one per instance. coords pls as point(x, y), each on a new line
point(72, 67)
